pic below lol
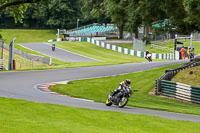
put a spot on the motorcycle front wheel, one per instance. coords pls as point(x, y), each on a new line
point(123, 102)
point(108, 102)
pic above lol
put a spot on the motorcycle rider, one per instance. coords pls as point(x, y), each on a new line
point(190, 54)
point(123, 85)
point(148, 57)
point(53, 47)
point(147, 52)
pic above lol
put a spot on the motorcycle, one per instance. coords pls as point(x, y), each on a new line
point(53, 47)
point(148, 57)
point(120, 99)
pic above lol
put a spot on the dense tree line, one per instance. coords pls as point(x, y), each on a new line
point(42, 14)
point(125, 14)
point(182, 14)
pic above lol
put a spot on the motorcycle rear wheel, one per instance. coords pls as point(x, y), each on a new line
point(123, 102)
point(108, 102)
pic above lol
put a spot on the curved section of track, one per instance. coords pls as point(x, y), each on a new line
point(20, 85)
point(59, 53)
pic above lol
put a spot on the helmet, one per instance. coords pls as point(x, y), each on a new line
point(128, 81)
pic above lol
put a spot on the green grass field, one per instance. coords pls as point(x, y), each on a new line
point(98, 90)
point(27, 35)
point(99, 53)
point(19, 116)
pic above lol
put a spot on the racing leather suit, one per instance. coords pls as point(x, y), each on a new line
point(122, 86)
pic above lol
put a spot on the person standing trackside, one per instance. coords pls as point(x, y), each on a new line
point(53, 47)
point(190, 53)
point(182, 53)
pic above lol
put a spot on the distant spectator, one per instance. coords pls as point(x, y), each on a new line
point(190, 53)
point(182, 53)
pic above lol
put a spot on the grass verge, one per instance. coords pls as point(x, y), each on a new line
point(99, 53)
point(142, 83)
point(27, 35)
point(22, 63)
point(188, 76)
point(19, 116)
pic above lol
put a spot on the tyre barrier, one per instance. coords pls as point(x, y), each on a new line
point(181, 91)
point(178, 90)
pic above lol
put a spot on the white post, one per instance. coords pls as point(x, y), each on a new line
point(191, 41)
point(50, 62)
point(58, 33)
point(134, 42)
point(77, 23)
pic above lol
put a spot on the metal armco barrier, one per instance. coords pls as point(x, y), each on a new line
point(178, 90)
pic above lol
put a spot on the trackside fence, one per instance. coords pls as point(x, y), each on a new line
point(178, 90)
point(32, 57)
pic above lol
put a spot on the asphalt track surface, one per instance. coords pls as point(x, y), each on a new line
point(24, 85)
point(60, 54)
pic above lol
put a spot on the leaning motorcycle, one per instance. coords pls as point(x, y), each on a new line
point(120, 99)
point(148, 57)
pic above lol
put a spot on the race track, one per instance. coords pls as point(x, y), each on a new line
point(60, 54)
point(23, 85)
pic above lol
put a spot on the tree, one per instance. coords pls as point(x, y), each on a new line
point(116, 10)
point(134, 18)
point(95, 10)
point(192, 9)
point(175, 11)
point(58, 13)
point(106, 10)
point(17, 7)
point(48, 14)
point(142, 13)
